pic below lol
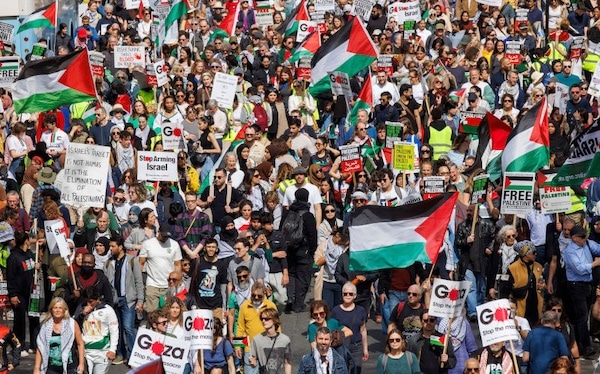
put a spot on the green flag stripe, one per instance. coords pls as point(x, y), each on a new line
point(41, 102)
point(393, 256)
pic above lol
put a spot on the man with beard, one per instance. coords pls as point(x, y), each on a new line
point(377, 20)
point(86, 237)
point(209, 280)
point(431, 356)
point(249, 322)
point(323, 357)
point(86, 277)
point(161, 255)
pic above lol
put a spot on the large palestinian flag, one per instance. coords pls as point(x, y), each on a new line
point(349, 50)
point(384, 237)
point(584, 160)
point(47, 84)
point(364, 101)
point(528, 146)
point(307, 48)
point(290, 25)
point(44, 17)
point(492, 134)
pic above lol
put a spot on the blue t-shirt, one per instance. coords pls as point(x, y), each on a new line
point(544, 345)
point(218, 358)
point(352, 320)
point(332, 324)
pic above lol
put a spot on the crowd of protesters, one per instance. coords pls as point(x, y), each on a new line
point(260, 211)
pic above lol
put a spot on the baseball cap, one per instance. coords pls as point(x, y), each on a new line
point(165, 229)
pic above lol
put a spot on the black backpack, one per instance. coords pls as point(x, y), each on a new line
point(293, 228)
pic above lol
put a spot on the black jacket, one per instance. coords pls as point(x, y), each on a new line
point(20, 268)
point(102, 284)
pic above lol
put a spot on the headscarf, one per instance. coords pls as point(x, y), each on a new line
point(241, 161)
point(264, 170)
point(228, 236)
point(313, 177)
point(82, 251)
point(333, 221)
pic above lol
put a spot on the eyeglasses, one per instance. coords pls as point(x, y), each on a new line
point(566, 66)
point(249, 134)
point(114, 133)
point(318, 314)
point(265, 319)
point(348, 293)
point(361, 176)
point(242, 276)
point(412, 294)
point(425, 151)
point(584, 88)
point(162, 322)
point(472, 370)
point(319, 171)
point(180, 96)
point(430, 319)
point(538, 95)
point(510, 236)
point(395, 340)
point(574, 92)
point(173, 279)
point(219, 177)
point(257, 296)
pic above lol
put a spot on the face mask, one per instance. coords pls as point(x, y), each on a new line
point(87, 270)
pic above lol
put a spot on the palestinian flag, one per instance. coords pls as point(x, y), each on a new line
point(50, 83)
point(349, 50)
point(229, 21)
point(308, 47)
point(545, 176)
point(290, 25)
point(179, 8)
point(528, 146)
point(492, 134)
point(456, 95)
point(44, 17)
point(218, 33)
point(584, 160)
point(364, 101)
point(241, 342)
point(437, 341)
point(470, 121)
point(518, 181)
point(384, 237)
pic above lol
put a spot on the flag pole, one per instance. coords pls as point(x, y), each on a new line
point(475, 214)
point(514, 356)
point(443, 364)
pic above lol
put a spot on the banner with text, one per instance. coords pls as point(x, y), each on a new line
point(362, 9)
point(351, 161)
point(85, 175)
point(157, 166)
point(156, 74)
point(448, 298)
point(496, 323)
point(55, 233)
point(6, 33)
point(172, 136)
point(126, 56)
point(517, 193)
point(480, 184)
point(224, 88)
point(150, 345)
point(555, 199)
point(9, 70)
point(340, 83)
point(409, 11)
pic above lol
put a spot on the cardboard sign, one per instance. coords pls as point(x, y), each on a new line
point(156, 75)
point(433, 186)
point(172, 135)
point(469, 122)
point(97, 63)
point(393, 133)
point(555, 199)
point(340, 83)
point(6, 33)
point(37, 52)
point(85, 175)
point(351, 161)
point(304, 68)
point(517, 193)
point(409, 11)
point(305, 28)
point(224, 88)
point(362, 9)
point(480, 185)
point(386, 63)
point(513, 52)
point(318, 16)
point(403, 156)
point(9, 70)
point(576, 47)
point(496, 323)
point(55, 233)
point(126, 56)
point(198, 325)
point(448, 298)
point(521, 17)
point(157, 166)
point(150, 346)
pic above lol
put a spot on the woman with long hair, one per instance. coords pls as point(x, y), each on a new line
point(60, 347)
point(146, 230)
point(139, 108)
point(242, 223)
point(315, 174)
point(168, 113)
point(186, 60)
point(396, 359)
point(459, 149)
point(276, 112)
point(175, 308)
point(218, 359)
point(207, 144)
point(253, 190)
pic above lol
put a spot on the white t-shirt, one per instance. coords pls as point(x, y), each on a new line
point(160, 260)
point(58, 141)
point(303, 141)
point(14, 143)
point(389, 198)
point(314, 196)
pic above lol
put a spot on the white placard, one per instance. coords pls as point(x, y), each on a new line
point(156, 72)
point(555, 199)
point(362, 8)
point(157, 166)
point(517, 193)
point(324, 5)
point(495, 322)
point(172, 135)
point(150, 345)
point(496, 3)
point(6, 33)
point(224, 87)
point(126, 56)
point(305, 28)
point(340, 83)
point(9, 70)
point(85, 175)
point(594, 88)
point(448, 298)
point(135, 4)
point(56, 237)
point(401, 12)
point(198, 325)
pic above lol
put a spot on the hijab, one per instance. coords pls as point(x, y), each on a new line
point(228, 236)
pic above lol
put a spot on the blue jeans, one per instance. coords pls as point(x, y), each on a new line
point(126, 317)
point(247, 368)
point(476, 295)
point(332, 294)
point(393, 299)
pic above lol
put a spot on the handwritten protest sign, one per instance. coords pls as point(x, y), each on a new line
point(6, 33)
point(224, 88)
point(403, 156)
point(448, 298)
point(362, 8)
point(85, 175)
point(126, 56)
point(480, 184)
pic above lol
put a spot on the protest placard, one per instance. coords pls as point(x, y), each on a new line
point(304, 68)
point(38, 52)
point(517, 193)
point(157, 166)
point(496, 3)
point(594, 88)
point(350, 156)
point(340, 83)
point(513, 52)
point(403, 156)
point(97, 63)
point(480, 184)
point(85, 175)
point(386, 63)
point(172, 135)
point(135, 4)
point(521, 17)
point(224, 88)
point(469, 122)
point(362, 8)
point(127, 55)
point(4, 303)
point(433, 186)
point(324, 5)
point(448, 298)
point(264, 13)
point(6, 33)
point(555, 199)
point(393, 133)
point(305, 28)
point(156, 74)
point(198, 325)
point(576, 47)
point(496, 323)
point(9, 70)
point(55, 234)
point(409, 11)
point(318, 16)
point(150, 345)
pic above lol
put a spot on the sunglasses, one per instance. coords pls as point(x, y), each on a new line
point(257, 296)
point(348, 293)
point(318, 314)
point(114, 133)
point(425, 151)
point(119, 199)
point(472, 370)
point(359, 200)
point(330, 211)
point(395, 340)
point(510, 236)
point(412, 294)
point(242, 276)
point(265, 319)
point(162, 322)
point(430, 319)
point(172, 279)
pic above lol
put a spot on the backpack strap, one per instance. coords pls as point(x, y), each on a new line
point(384, 362)
point(409, 359)
point(400, 307)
